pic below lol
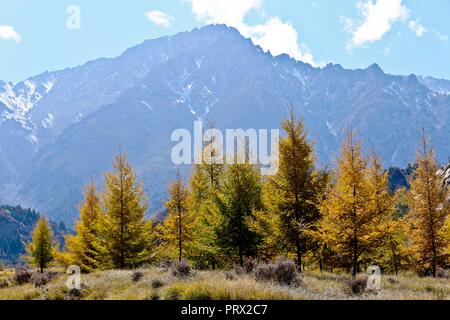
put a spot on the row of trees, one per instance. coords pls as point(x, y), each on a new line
point(345, 218)
point(112, 231)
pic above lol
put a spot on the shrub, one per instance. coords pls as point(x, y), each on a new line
point(40, 280)
point(157, 283)
point(356, 287)
point(165, 264)
point(265, 272)
point(21, 276)
point(442, 273)
point(249, 265)
point(73, 294)
point(154, 296)
point(180, 269)
point(4, 283)
point(238, 270)
point(51, 275)
point(286, 273)
point(230, 275)
point(423, 273)
point(137, 276)
point(283, 273)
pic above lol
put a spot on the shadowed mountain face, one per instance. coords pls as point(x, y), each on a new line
point(59, 129)
point(16, 228)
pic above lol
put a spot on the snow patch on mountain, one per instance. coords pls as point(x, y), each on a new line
point(48, 121)
point(20, 98)
point(147, 105)
point(48, 86)
point(440, 86)
point(79, 117)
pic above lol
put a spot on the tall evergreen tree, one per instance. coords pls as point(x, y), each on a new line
point(356, 207)
point(296, 188)
point(83, 248)
point(202, 189)
point(124, 233)
point(204, 185)
point(266, 224)
point(41, 246)
point(429, 205)
point(177, 228)
point(239, 197)
point(382, 204)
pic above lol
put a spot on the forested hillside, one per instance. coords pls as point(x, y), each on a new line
point(16, 226)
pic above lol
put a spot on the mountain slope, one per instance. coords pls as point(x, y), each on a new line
point(16, 228)
point(136, 100)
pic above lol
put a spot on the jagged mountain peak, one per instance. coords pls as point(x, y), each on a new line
point(375, 67)
point(375, 70)
point(137, 99)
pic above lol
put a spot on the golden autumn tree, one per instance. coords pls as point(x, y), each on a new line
point(388, 239)
point(177, 227)
point(357, 207)
point(293, 193)
point(266, 224)
point(82, 249)
point(429, 207)
point(199, 185)
point(125, 235)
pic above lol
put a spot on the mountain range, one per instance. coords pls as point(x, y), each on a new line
point(60, 128)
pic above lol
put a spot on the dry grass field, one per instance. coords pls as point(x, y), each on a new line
point(159, 284)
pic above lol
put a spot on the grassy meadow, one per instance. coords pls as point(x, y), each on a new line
point(160, 284)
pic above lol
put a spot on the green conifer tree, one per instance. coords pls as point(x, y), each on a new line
point(177, 228)
point(40, 249)
point(239, 197)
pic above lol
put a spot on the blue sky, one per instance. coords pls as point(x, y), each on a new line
point(403, 36)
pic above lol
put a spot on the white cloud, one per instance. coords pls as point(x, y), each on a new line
point(378, 18)
point(8, 33)
point(274, 35)
point(441, 37)
point(417, 28)
point(159, 18)
point(279, 37)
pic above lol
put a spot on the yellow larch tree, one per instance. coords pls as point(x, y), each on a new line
point(357, 208)
point(82, 249)
point(429, 206)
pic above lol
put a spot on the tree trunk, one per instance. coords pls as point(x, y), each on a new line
point(122, 219)
point(321, 263)
point(180, 217)
point(241, 257)
point(434, 261)
point(355, 263)
point(299, 255)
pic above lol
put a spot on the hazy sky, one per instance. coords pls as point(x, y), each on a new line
point(403, 36)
